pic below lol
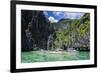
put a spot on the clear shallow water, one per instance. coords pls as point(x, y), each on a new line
point(46, 56)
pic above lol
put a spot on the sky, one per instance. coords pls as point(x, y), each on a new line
point(55, 16)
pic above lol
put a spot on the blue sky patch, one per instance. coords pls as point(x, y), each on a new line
point(55, 16)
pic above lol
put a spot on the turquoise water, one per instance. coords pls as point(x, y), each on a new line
point(46, 56)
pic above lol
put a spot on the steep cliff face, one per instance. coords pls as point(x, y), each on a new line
point(35, 30)
point(83, 32)
point(74, 32)
point(38, 33)
point(26, 17)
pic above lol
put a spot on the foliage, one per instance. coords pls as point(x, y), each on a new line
point(77, 28)
point(37, 31)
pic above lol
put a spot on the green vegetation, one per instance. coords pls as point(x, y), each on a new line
point(78, 28)
point(43, 41)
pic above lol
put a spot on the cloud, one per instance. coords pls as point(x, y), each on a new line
point(52, 19)
point(73, 15)
point(57, 13)
point(46, 13)
point(70, 15)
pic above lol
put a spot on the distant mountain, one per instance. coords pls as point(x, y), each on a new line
point(62, 24)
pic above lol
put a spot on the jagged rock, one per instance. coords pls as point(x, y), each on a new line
point(38, 33)
point(35, 30)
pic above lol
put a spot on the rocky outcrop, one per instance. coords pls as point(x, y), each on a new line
point(38, 33)
point(75, 32)
point(82, 39)
point(35, 30)
point(26, 17)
